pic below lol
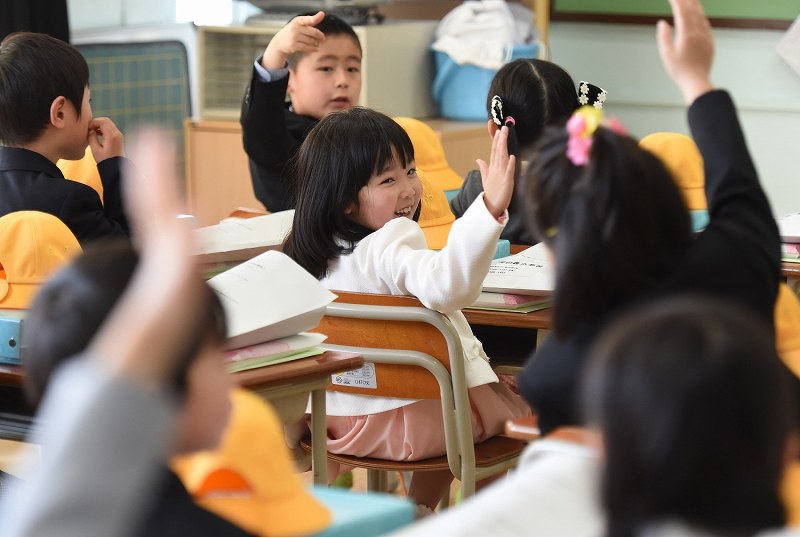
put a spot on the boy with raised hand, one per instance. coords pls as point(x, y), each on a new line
point(45, 115)
point(316, 60)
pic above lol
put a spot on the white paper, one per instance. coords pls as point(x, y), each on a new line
point(250, 235)
point(526, 273)
point(789, 46)
point(269, 297)
point(789, 227)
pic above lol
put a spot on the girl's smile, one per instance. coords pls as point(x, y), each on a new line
point(395, 192)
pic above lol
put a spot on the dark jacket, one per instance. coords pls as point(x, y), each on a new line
point(736, 257)
point(30, 182)
point(516, 230)
point(272, 134)
point(172, 513)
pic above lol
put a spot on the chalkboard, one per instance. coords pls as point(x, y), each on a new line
point(776, 14)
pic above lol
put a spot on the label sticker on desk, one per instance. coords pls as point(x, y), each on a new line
point(363, 377)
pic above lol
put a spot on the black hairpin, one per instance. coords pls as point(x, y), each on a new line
point(588, 93)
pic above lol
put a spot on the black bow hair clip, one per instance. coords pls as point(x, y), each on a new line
point(590, 94)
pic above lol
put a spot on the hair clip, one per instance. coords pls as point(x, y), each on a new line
point(551, 232)
point(591, 94)
point(497, 110)
point(581, 128)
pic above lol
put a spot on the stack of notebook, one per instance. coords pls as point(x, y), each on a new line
point(234, 240)
point(789, 227)
point(519, 283)
point(269, 302)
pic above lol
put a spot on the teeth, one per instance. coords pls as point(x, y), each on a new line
point(403, 212)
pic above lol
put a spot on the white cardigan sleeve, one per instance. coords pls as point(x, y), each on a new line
point(447, 280)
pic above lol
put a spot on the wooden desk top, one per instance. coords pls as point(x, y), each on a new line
point(539, 320)
point(298, 371)
point(267, 377)
point(790, 270)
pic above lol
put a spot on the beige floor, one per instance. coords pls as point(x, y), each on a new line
point(12, 453)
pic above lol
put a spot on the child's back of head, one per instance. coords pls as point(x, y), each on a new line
point(695, 410)
point(35, 69)
point(71, 307)
point(535, 93)
point(615, 221)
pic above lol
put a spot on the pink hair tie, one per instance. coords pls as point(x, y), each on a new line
point(511, 120)
point(581, 128)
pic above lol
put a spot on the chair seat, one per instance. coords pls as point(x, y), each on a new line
point(489, 452)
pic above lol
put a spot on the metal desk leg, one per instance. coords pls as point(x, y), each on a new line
point(319, 438)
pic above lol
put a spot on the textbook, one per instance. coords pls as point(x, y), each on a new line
point(239, 239)
point(789, 227)
point(511, 302)
point(790, 252)
point(526, 273)
point(274, 352)
point(269, 297)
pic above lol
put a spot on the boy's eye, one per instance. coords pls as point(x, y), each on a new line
point(387, 181)
point(326, 69)
point(412, 172)
point(353, 69)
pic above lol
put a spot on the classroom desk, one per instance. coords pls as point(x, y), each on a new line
point(536, 320)
point(276, 382)
point(294, 380)
point(790, 270)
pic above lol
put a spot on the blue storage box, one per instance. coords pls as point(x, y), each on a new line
point(358, 514)
point(461, 90)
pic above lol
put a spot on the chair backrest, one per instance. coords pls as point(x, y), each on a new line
point(386, 322)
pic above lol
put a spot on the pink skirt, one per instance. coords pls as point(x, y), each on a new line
point(416, 431)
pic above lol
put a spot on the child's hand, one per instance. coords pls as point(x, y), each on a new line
point(688, 57)
point(299, 35)
point(498, 175)
point(111, 143)
point(146, 333)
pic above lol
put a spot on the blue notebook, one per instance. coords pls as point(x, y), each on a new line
point(358, 514)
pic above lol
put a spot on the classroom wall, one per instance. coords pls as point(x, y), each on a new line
point(85, 14)
point(623, 59)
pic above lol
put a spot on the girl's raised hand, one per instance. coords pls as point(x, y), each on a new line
point(687, 57)
point(498, 175)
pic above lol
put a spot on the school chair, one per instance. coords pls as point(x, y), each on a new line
point(417, 354)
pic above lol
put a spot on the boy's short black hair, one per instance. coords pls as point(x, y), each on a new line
point(35, 69)
point(330, 25)
point(70, 308)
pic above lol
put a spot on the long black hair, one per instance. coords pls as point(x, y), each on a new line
point(336, 160)
point(617, 226)
point(695, 409)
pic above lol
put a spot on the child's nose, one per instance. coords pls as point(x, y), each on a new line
point(341, 78)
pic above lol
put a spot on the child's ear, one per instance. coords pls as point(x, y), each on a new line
point(57, 108)
point(492, 127)
point(350, 209)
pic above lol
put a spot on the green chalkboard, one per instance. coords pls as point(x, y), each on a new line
point(741, 13)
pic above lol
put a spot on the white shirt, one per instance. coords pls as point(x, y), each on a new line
point(552, 493)
point(395, 260)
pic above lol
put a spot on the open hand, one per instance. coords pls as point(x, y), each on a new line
point(687, 58)
point(498, 175)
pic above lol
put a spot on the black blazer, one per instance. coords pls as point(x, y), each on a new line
point(272, 134)
point(30, 182)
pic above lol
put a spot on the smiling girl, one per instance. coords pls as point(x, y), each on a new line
point(355, 229)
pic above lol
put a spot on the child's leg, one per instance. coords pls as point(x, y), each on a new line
point(427, 488)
